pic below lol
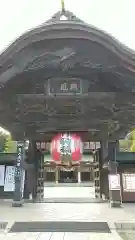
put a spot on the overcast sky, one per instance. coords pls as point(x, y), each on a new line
point(114, 16)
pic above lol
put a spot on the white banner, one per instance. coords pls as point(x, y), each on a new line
point(114, 182)
point(2, 175)
point(9, 185)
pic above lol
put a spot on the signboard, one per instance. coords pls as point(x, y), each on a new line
point(128, 182)
point(64, 86)
point(2, 174)
point(114, 182)
point(18, 162)
point(115, 190)
point(9, 184)
point(19, 175)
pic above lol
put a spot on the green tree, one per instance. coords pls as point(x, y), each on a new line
point(125, 145)
point(2, 142)
point(10, 146)
point(7, 144)
point(4, 134)
point(131, 139)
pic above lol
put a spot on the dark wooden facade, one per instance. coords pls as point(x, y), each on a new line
point(35, 69)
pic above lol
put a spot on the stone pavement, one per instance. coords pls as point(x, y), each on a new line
point(67, 213)
point(67, 221)
point(58, 236)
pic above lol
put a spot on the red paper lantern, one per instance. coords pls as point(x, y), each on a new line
point(77, 148)
point(71, 143)
point(55, 148)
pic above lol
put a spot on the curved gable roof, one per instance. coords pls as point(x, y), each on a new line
point(46, 30)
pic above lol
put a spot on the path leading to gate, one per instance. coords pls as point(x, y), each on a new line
point(69, 193)
point(65, 221)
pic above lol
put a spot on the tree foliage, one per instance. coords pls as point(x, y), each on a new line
point(131, 138)
point(125, 145)
point(7, 145)
point(10, 146)
point(128, 144)
point(2, 143)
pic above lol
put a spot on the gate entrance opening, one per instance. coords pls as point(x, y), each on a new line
point(52, 174)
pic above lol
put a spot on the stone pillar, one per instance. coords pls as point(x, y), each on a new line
point(19, 175)
point(57, 175)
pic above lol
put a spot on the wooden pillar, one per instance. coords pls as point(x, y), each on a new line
point(91, 174)
point(103, 155)
point(45, 175)
point(40, 180)
point(112, 148)
point(31, 170)
point(103, 151)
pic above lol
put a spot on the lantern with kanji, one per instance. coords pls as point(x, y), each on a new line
point(63, 145)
